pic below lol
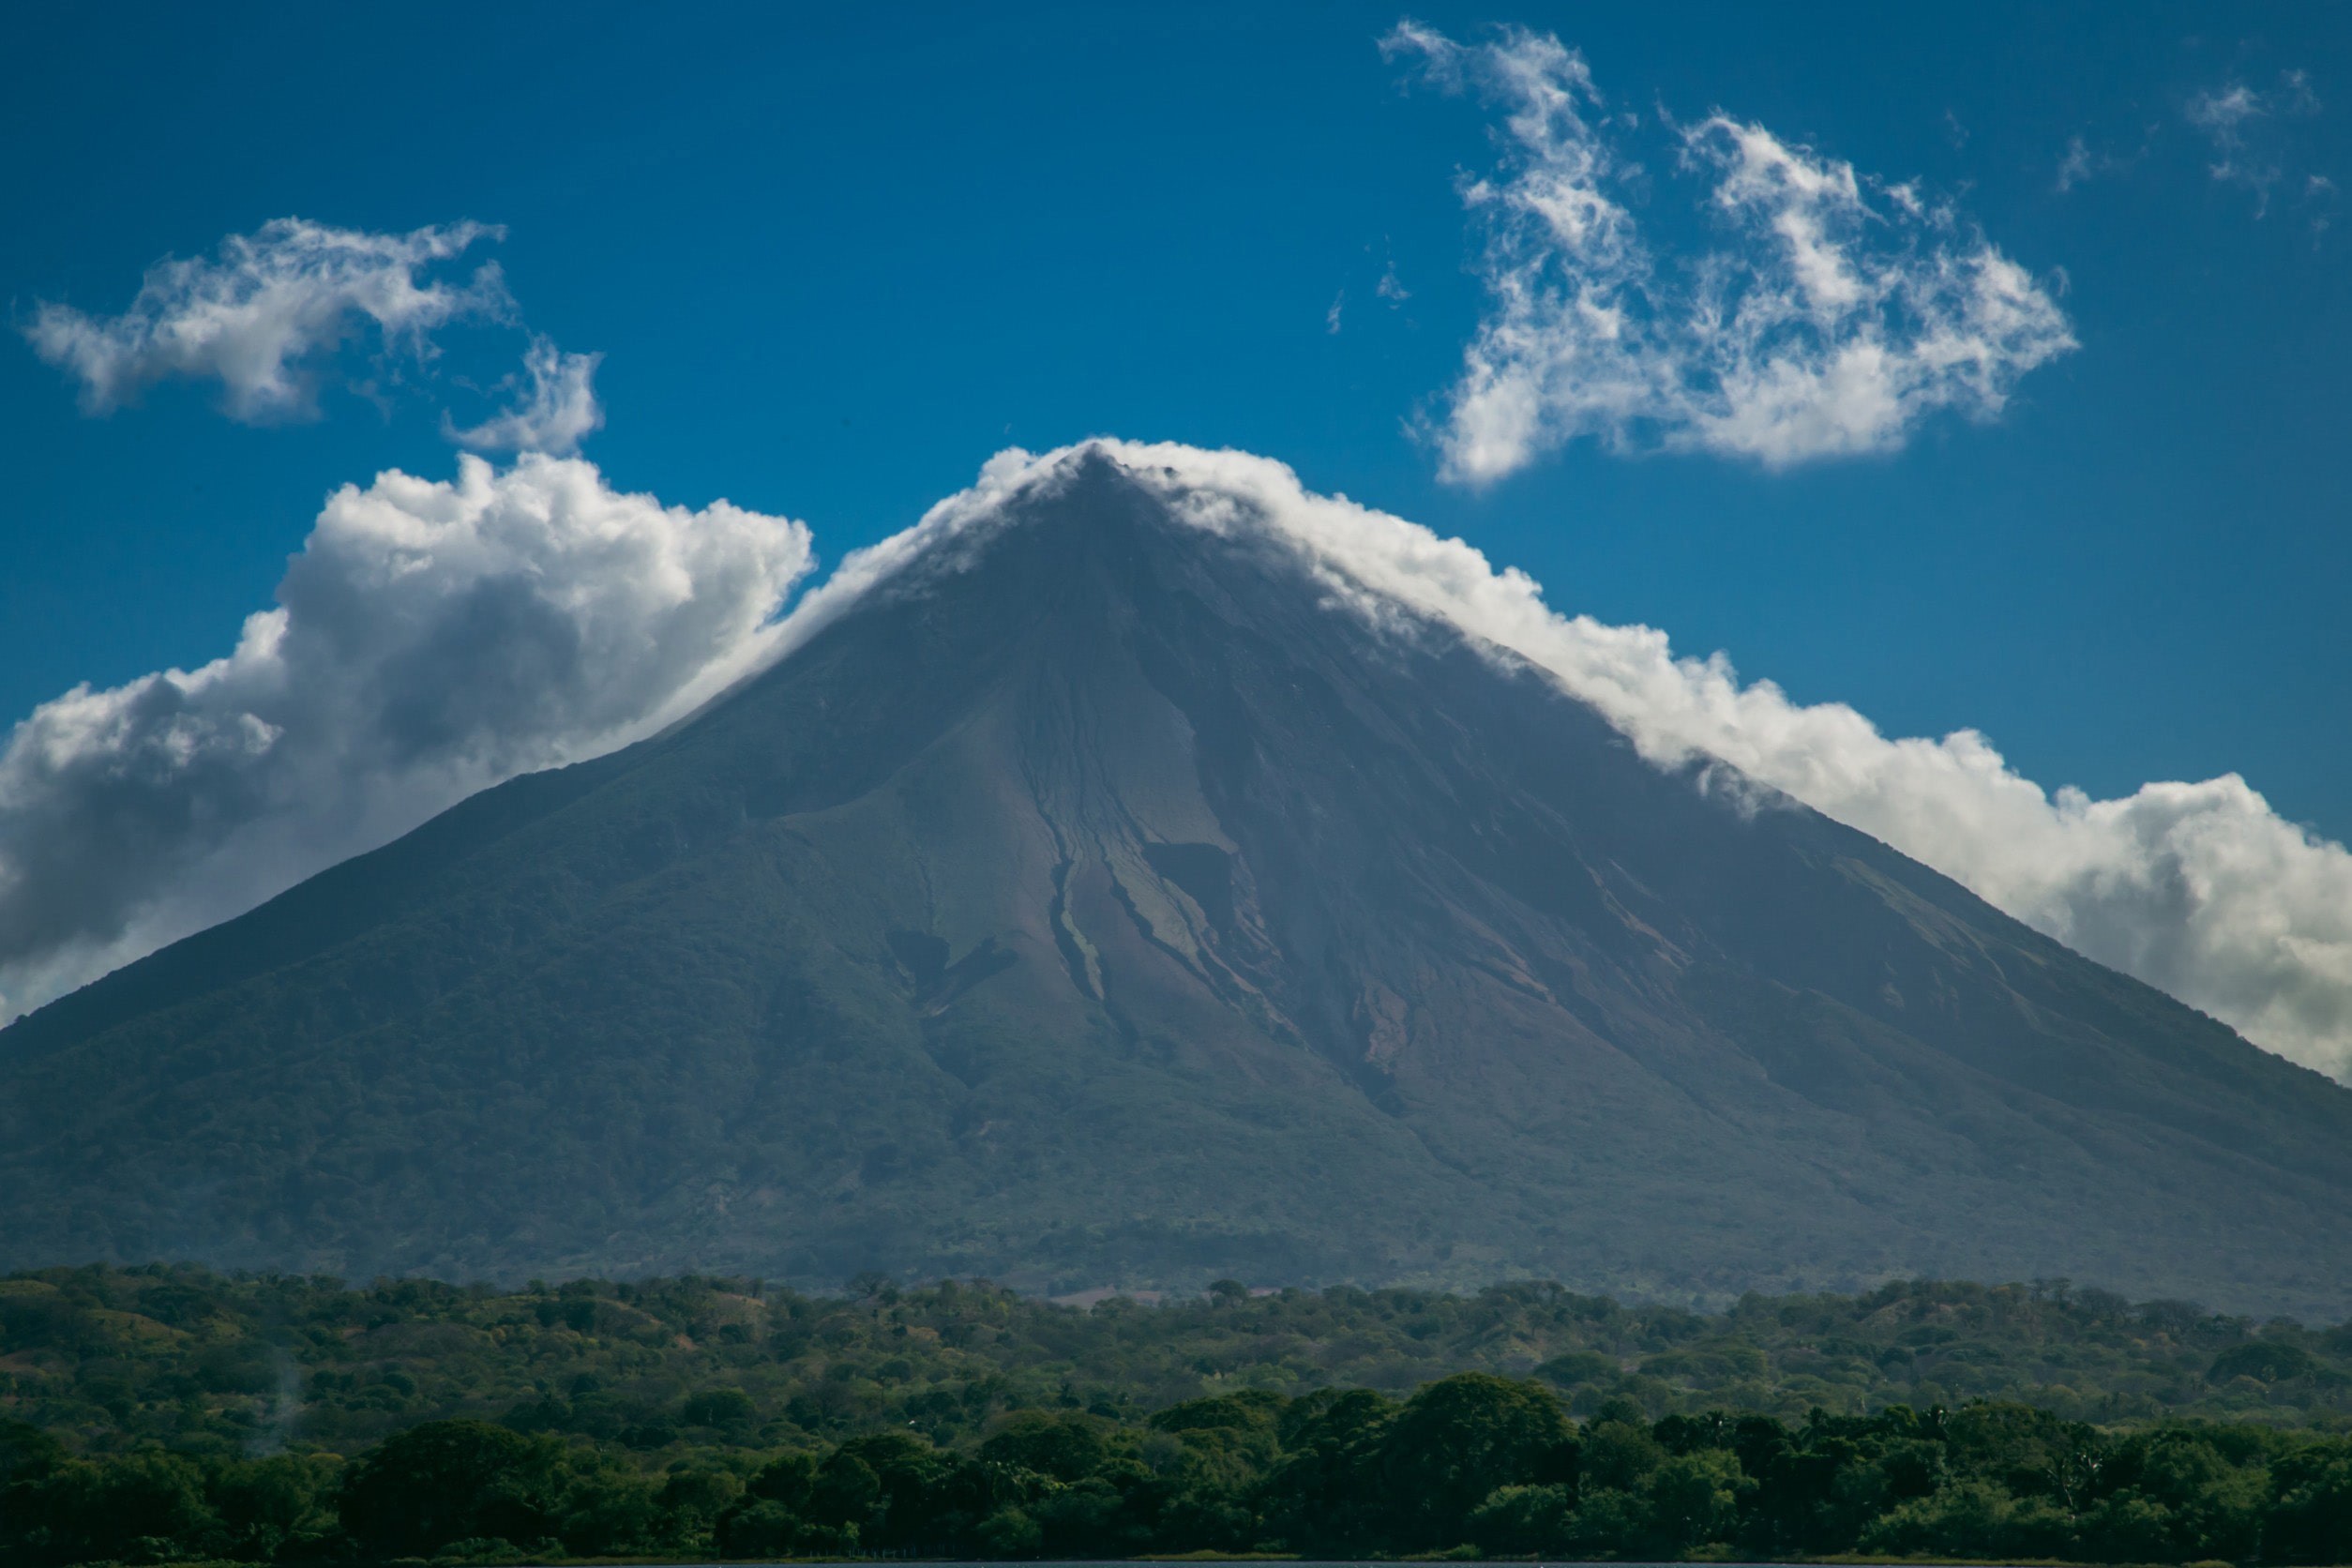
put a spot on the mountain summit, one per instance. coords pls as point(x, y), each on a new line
point(1110, 888)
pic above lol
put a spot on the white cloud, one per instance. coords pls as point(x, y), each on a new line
point(258, 317)
point(2079, 164)
point(432, 639)
point(2222, 111)
point(2248, 132)
point(2199, 889)
point(559, 412)
point(1836, 316)
point(267, 315)
point(2223, 114)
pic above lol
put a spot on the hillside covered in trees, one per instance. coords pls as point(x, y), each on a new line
point(168, 1413)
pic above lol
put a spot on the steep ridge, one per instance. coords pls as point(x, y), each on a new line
point(1108, 899)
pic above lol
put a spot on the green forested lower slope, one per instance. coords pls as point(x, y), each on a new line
point(162, 1414)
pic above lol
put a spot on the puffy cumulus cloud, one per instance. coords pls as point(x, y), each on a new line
point(2199, 889)
point(1834, 316)
point(258, 316)
point(432, 639)
point(558, 411)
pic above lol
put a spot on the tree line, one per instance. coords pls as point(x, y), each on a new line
point(115, 1359)
point(166, 1413)
point(1472, 1465)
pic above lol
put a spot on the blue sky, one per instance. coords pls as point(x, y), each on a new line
point(834, 260)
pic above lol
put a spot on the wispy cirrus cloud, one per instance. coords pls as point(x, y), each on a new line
point(2250, 140)
point(2079, 164)
point(1831, 316)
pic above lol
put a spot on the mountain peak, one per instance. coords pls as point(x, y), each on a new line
point(1143, 873)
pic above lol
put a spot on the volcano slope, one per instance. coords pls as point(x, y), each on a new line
point(1101, 898)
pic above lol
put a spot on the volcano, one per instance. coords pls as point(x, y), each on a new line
point(1113, 891)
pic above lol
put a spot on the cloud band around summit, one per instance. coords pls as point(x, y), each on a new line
point(435, 638)
point(1832, 315)
point(2198, 889)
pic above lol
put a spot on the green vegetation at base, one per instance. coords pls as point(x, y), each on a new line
point(163, 1415)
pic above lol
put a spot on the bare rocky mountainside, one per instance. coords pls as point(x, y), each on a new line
point(1103, 898)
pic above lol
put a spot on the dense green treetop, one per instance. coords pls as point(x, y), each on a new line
point(1471, 1465)
point(109, 1360)
point(168, 1415)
